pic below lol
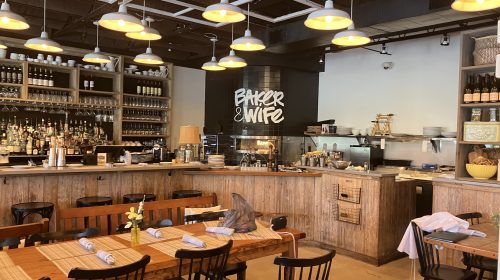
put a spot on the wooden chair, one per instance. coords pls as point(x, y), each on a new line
point(159, 224)
point(131, 271)
point(238, 269)
point(11, 235)
point(430, 267)
point(97, 216)
point(52, 237)
point(319, 267)
point(473, 261)
point(208, 263)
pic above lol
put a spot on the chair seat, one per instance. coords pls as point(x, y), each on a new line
point(482, 263)
point(236, 268)
point(445, 272)
point(89, 201)
point(137, 197)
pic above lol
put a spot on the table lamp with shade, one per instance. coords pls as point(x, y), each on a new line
point(189, 138)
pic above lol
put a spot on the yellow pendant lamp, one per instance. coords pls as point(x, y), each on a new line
point(248, 42)
point(43, 43)
point(3, 45)
point(328, 18)
point(475, 5)
point(11, 20)
point(148, 57)
point(96, 56)
point(148, 33)
point(224, 12)
point(213, 65)
point(232, 60)
point(351, 37)
point(121, 21)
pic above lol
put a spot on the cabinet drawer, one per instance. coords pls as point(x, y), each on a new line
point(349, 193)
point(348, 214)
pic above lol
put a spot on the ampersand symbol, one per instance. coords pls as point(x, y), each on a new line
point(239, 116)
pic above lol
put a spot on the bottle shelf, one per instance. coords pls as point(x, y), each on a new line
point(91, 91)
point(51, 88)
point(146, 77)
point(147, 97)
point(478, 143)
point(143, 121)
point(474, 105)
point(11, 85)
point(11, 61)
point(479, 68)
point(146, 136)
point(58, 68)
point(144, 108)
point(100, 73)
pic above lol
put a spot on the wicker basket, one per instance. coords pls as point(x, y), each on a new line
point(485, 50)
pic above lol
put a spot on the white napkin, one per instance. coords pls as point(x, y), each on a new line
point(154, 232)
point(472, 232)
point(87, 244)
point(194, 241)
point(222, 230)
point(107, 257)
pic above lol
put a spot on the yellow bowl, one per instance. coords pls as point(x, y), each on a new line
point(482, 172)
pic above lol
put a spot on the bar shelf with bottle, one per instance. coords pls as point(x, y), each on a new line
point(147, 97)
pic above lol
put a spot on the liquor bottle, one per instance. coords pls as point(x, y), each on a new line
point(138, 87)
point(485, 92)
point(30, 76)
point(160, 89)
point(45, 81)
point(476, 94)
point(51, 79)
point(35, 77)
point(20, 75)
point(3, 75)
point(144, 86)
point(8, 73)
point(494, 90)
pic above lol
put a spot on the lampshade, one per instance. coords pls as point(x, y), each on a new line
point(475, 5)
point(148, 33)
point(212, 65)
point(328, 18)
point(11, 20)
point(223, 12)
point(189, 134)
point(232, 61)
point(43, 43)
point(3, 45)
point(248, 43)
point(351, 37)
point(96, 57)
point(121, 21)
point(148, 57)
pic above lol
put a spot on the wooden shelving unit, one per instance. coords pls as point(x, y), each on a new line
point(467, 68)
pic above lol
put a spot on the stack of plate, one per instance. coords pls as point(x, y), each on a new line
point(431, 131)
point(216, 161)
point(344, 130)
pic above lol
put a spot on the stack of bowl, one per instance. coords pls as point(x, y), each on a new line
point(344, 130)
point(216, 161)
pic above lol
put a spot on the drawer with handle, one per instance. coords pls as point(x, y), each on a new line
point(349, 194)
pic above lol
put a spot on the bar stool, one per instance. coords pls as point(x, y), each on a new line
point(21, 210)
point(89, 201)
point(137, 197)
point(185, 194)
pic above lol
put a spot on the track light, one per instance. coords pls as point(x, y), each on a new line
point(383, 50)
point(445, 41)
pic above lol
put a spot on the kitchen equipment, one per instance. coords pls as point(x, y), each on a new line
point(161, 153)
point(341, 164)
point(344, 130)
point(337, 155)
point(431, 131)
point(141, 157)
point(61, 157)
point(359, 154)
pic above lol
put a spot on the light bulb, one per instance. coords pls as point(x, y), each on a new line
point(223, 13)
point(143, 33)
point(350, 38)
point(121, 22)
point(44, 46)
point(328, 19)
point(5, 20)
point(480, 1)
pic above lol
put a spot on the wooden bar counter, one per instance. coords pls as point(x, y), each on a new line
point(358, 213)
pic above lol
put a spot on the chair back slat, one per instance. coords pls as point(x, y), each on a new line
point(428, 255)
point(319, 266)
point(136, 269)
point(209, 264)
point(11, 235)
point(472, 217)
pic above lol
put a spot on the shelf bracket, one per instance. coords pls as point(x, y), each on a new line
point(436, 145)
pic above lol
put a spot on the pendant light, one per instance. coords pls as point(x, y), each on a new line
point(212, 65)
point(248, 42)
point(232, 60)
point(148, 57)
point(148, 33)
point(121, 21)
point(351, 36)
point(328, 18)
point(475, 5)
point(96, 56)
point(11, 20)
point(43, 43)
point(224, 12)
point(3, 45)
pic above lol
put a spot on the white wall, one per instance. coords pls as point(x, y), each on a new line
point(188, 102)
point(421, 90)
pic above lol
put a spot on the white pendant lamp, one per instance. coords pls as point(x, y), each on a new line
point(351, 37)
point(148, 33)
point(224, 12)
point(248, 42)
point(3, 45)
point(43, 43)
point(148, 57)
point(96, 56)
point(212, 65)
point(121, 21)
point(232, 60)
point(328, 18)
point(475, 5)
point(11, 20)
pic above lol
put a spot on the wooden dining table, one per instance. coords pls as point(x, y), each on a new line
point(480, 246)
point(162, 266)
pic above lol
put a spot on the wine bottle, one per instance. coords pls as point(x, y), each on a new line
point(3, 75)
point(476, 94)
point(138, 89)
point(485, 92)
point(51, 79)
point(8, 72)
point(494, 90)
point(30, 76)
point(468, 90)
point(20, 75)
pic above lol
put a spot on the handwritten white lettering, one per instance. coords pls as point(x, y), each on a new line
point(258, 106)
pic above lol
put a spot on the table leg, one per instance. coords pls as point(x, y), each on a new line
point(292, 252)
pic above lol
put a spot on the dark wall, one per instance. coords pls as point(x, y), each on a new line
point(300, 97)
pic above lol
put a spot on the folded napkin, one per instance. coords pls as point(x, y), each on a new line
point(222, 230)
point(194, 241)
point(106, 257)
point(87, 244)
point(154, 232)
point(472, 232)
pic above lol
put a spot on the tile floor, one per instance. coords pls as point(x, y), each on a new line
point(343, 267)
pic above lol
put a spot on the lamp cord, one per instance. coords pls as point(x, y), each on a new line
point(44, 13)
point(144, 11)
point(352, 4)
point(97, 25)
point(248, 15)
point(213, 47)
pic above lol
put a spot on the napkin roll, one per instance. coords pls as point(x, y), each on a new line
point(221, 230)
point(194, 241)
point(87, 244)
point(154, 232)
point(106, 257)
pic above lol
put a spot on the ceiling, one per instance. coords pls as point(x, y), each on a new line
point(278, 22)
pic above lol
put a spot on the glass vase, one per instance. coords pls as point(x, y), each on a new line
point(135, 233)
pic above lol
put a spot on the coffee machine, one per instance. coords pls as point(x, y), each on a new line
point(162, 154)
point(372, 155)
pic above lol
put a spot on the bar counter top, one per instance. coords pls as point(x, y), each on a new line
point(225, 172)
point(352, 172)
point(9, 171)
point(467, 182)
